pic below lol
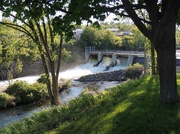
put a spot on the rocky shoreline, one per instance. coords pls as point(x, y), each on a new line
point(104, 76)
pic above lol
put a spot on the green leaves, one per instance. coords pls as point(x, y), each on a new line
point(14, 47)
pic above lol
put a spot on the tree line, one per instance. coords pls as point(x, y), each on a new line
point(103, 39)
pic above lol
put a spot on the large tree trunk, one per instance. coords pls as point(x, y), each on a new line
point(55, 90)
point(153, 63)
point(166, 54)
point(56, 93)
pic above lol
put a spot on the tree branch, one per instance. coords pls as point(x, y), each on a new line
point(129, 9)
point(154, 13)
point(18, 19)
point(125, 15)
point(43, 41)
point(55, 6)
point(17, 27)
point(59, 56)
point(135, 7)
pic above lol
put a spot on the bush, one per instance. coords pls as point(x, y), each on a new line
point(39, 91)
point(6, 100)
point(43, 79)
point(64, 85)
point(134, 71)
point(25, 93)
point(19, 90)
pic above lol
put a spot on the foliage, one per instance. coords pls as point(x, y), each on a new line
point(100, 38)
point(47, 26)
point(15, 47)
point(43, 79)
point(104, 39)
point(6, 100)
point(25, 93)
point(66, 55)
point(134, 71)
point(64, 85)
point(39, 91)
point(132, 105)
point(178, 38)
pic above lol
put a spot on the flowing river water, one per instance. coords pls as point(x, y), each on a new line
point(17, 113)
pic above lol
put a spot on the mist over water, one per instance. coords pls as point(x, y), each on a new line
point(73, 73)
point(86, 69)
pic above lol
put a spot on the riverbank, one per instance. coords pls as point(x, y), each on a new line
point(131, 72)
point(131, 107)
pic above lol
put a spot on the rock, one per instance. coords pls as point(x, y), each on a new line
point(105, 76)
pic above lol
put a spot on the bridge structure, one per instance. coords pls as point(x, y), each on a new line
point(130, 56)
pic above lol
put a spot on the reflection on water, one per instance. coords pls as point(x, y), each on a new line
point(17, 113)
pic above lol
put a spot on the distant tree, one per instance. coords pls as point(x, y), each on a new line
point(127, 43)
point(139, 39)
point(102, 39)
point(178, 37)
point(124, 27)
point(14, 46)
point(89, 37)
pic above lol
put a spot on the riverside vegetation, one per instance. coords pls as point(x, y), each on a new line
point(131, 107)
point(21, 93)
point(14, 95)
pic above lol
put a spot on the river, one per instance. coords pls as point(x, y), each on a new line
point(17, 113)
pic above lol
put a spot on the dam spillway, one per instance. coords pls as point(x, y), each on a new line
point(130, 56)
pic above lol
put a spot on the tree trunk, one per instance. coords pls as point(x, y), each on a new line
point(153, 63)
point(56, 93)
point(55, 90)
point(48, 83)
point(166, 54)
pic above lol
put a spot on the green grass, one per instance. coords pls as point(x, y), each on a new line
point(130, 108)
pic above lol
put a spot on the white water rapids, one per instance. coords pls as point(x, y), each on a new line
point(15, 114)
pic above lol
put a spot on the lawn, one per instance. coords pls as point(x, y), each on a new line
point(133, 107)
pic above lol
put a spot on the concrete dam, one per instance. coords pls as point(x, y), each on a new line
point(125, 58)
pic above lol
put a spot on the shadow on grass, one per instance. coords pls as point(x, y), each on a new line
point(133, 108)
point(146, 115)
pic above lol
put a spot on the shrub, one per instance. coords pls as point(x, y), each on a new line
point(134, 71)
point(64, 85)
point(25, 93)
point(19, 90)
point(43, 79)
point(6, 100)
point(39, 91)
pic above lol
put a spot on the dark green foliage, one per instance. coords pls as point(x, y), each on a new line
point(19, 90)
point(134, 71)
point(6, 100)
point(43, 79)
point(25, 93)
point(39, 91)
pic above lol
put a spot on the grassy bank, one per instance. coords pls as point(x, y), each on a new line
point(130, 108)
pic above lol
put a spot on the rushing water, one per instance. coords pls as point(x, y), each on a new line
point(17, 113)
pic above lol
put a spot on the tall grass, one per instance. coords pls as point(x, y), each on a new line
point(130, 108)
